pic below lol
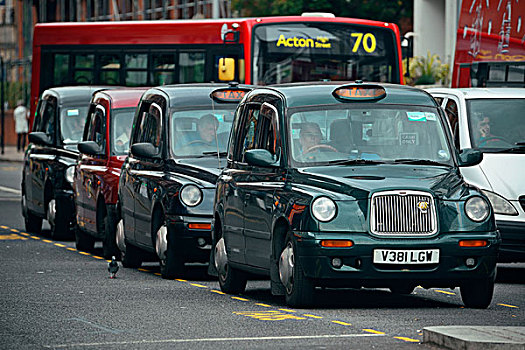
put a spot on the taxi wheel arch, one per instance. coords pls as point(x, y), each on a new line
point(172, 264)
point(231, 280)
point(280, 230)
point(58, 223)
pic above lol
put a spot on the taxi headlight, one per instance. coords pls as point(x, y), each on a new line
point(191, 195)
point(70, 174)
point(500, 204)
point(324, 209)
point(477, 209)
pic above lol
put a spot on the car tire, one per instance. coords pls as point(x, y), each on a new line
point(477, 294)
point(299, 289)
point(109, 243)
point(170, 254)
point(32, 222)
point(131, 258)
point(231, 280)
point(83, 241)
point(57, 220)
point(403, 289)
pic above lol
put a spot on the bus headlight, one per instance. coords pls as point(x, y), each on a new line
point(477, 209)
point(70, 174)
point(500, 204)
point(191, 195)
point(324, 209)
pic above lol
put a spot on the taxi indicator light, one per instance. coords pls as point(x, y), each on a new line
point(230, 95)
point(199, 226)
point(361, 92)
point(473, 243)
point(336, 243)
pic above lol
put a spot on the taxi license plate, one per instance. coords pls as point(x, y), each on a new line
point(422, 256)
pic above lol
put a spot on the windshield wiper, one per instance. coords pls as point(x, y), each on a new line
point(354, 161)
point(419, 161)
point(214, 153)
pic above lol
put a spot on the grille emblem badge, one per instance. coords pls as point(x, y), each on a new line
point(422, 206)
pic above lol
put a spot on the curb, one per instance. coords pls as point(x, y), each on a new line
point(476, 337)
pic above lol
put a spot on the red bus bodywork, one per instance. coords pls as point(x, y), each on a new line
point(489, 32)
point(138, 33)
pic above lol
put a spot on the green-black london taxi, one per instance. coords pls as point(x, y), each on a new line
point(167, 183)
point(353, 185)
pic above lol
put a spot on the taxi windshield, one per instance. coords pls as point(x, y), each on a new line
point(72, 120)
point(497, 124)
point(200, 132)
point(379, 134)
point(121, 123)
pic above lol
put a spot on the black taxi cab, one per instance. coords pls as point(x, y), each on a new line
point(167, 183)
point(49, 161)
point(353, 185)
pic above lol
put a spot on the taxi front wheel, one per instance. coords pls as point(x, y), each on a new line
point(231, 280)
point(299, 289)
point(477, 294)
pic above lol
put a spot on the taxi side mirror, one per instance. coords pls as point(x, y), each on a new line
point(226, 69)
point(90, 148)
point(260, 157)
point(145, 150)
point(470, 157)
point(39, 138)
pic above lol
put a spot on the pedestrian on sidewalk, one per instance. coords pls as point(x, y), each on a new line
point(21, 115)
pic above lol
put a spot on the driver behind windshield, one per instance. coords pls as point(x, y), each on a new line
point(207, 128)
point(310, 136)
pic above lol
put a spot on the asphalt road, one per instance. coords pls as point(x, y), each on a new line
point(53, 296)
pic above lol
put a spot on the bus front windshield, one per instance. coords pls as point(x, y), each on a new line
point(387, 134)
point(293, 52)
point(497, 124)
point(202, 132)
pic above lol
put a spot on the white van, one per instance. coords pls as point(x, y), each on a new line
point(493, 121)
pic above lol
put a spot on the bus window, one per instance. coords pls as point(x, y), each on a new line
point(136, 66)
point(163, 69)
point(83, 68)
point(109, 69)
point(191, 67)
point(61, 69)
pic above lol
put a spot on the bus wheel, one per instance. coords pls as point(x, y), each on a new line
point(477, 294)
point(299, 289)
point(231, 280)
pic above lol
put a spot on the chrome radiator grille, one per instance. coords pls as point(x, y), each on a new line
point(403, 213)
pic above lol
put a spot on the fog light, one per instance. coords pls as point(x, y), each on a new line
point(201, 242)
point(337, 263)
point(470, 262)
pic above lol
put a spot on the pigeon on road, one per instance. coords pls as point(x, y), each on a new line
point(113, 268)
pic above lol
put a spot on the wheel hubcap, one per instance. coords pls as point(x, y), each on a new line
point(51, 212)
point(161, 245)
point(221, 259)
point(286, 264)
point(120, 236)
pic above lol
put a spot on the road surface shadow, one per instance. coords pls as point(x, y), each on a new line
point(511, 273)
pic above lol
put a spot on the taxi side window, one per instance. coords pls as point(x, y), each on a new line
point(267, 133)
point(96, 126)
point(451, 109)
point(248, 131)
point(48, 121)
point(150, 127)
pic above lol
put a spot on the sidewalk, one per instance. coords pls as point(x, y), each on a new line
point(11, 155)
point(475, 337)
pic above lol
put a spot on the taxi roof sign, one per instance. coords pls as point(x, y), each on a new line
point(232, 95)
point(359, 92)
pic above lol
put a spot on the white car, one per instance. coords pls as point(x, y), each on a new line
point(493, 121)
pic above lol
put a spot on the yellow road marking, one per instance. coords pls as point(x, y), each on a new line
point(217, 291)
point(241, 299)
point(264, 305)
point(83, 253)
point(312, 316)
point(72, 249)
point(47, 241)
point(508, 305)
point(4, 227)
point(373, 331)
point(180, 280)
point(100, 258)
point(13, 230)
point(198, 285)
point(59, 245)
point(35, 237)
point(143, 269)
point(287, 310)
point(25, 234)
point(158, 274)
point(444, 292)
point(10, 237)
point(342, 323)
point(408, 339)
point(271, 315)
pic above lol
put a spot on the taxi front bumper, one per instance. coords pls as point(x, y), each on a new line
point(194, 243)
point(358, 268)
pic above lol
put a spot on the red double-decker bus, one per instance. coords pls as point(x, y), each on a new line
point(259, 51)
point(490, 44)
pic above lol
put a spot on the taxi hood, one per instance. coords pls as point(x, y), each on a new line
point(359, 181)
point(205, 169)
